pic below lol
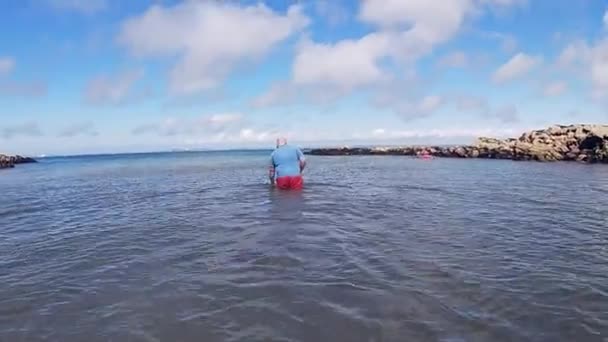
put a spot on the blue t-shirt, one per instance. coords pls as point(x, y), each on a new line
point(286, 161)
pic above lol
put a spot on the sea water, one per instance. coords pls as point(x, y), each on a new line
point(198, 247)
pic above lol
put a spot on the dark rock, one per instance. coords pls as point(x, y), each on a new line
point(461, 152)
point(11, 161)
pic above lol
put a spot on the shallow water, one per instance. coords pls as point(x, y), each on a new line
point(196, 247)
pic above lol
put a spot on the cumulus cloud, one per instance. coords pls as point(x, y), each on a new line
point(203, 126)
point(426, 21)
point(404, 32)
point(82, 6)
point(555, 88)
point(113, 89)
point(574, 55)
point(589, 59)
point(379, 132)
point(209, 38)
point(223, 129)
point(457, 59)
point(518, 66)
point(345, 64)
point(407, 30)
point(599, 69)
point(7, 64)
point(29, 129)
point(83, 128)
point(605, 20)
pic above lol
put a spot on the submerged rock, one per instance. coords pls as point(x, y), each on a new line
point(584, 143)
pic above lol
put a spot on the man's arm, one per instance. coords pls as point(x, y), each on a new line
point(271, 170)
point(302, 160)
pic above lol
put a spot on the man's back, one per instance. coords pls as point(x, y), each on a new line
point(286, 160)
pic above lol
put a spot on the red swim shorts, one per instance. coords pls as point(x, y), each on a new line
point(290, 182)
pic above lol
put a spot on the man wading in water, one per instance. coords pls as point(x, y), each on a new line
point(286, 165)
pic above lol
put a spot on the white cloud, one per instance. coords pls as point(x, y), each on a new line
point(7, 64)
point(589, 60)
point(209, 38)
point(405, 32)
point(346, 64)
point(83, 128)
point(457, 59)
point(555, 88)
point(83, 6)
point(225, 130)
point(221, 123)
point(112, 89)
point(223, 119)
point(574, 54)
point(426, 22)
point(379, 132)
point(516, 67)
point(599, 69)
point(244, 136)
point(28, 129)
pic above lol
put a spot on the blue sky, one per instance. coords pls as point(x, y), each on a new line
point(114, 76)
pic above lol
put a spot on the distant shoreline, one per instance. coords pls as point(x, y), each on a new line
point(582, 143)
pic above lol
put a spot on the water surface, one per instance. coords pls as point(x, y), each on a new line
point(196, 247)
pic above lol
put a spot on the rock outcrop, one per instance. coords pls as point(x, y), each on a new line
point(583, 143)
point(10, 161)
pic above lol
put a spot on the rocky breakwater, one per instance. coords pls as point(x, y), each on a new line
point(10, 161)
point(584, 143)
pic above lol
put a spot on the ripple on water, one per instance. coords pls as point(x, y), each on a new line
point(195, 248)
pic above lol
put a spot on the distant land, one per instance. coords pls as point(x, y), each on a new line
point(580, 142)
point(583, 142)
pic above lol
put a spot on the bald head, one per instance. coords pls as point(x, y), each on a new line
point(281, 141)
